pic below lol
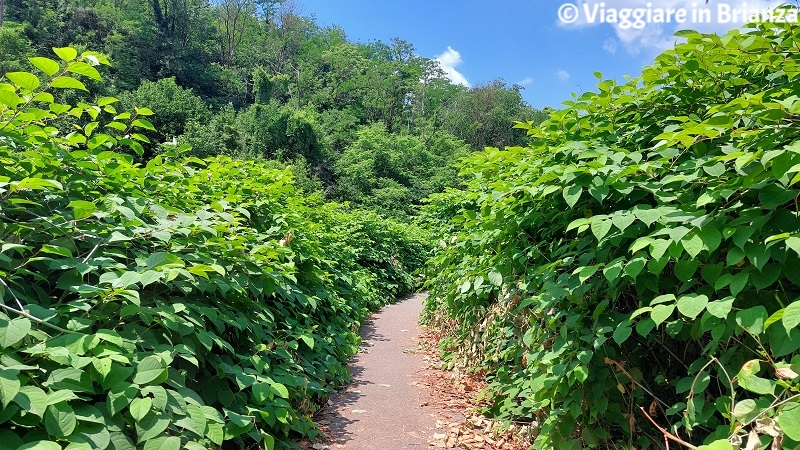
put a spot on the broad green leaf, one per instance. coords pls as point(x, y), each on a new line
point(82, 209)
point(32, 400)
point(60, 420)
point(658, 247)
point(586, 272)
point(120, 441)
point(66, 53)
point(711, 238)
point(65, 82)
point(691, 305)
point(144, 111)
point(57, 250)
point(661, 313)
point(648, 216)
point(748, 379)
point(613, 270)
point(120, 396)
point(739, 282)
point(46, 65)
point(195, 421)
point(156, 259)
point(9, 440)
point(102, 366)
point(622, 333)
point(685, 269)
point(789, 420)
point(496, 278)
point(791, 316)
point(308, 340)
point(238, 419)
point(793, 243)
point(140, 407)
point(720, 308)
point(215, 433)
point(13, 331)
point(282, 391)
point(623, 221)
point(79, 446)
point(151, 426)
point(23, 80)
point(9, 386)
point(150, 370)
point(693, 245)
point(777, 316)
point(269, 441)
point(745, 410)
point(720, 444)
point(572, 194)
point(38, 184)
point(150, 277)
point(84, 69)
point(635, 267)
point(143, 123)
point(40, 445)
point(9, 98)
point(127, 279)
point(56, 397)
point(261, 392)
point(600, 228)
point(752, 319)
point(163, 443)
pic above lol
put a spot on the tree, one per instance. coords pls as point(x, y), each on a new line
point(484, 115)
point(392, 173)
point(394, 73)
point(233, 16)
point(174, 107)
point(14, 49)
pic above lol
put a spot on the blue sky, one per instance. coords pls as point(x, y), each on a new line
point(521, 41)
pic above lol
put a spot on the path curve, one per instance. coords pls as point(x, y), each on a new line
point(384, 408)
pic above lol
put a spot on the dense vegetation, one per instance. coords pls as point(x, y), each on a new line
point(257, 79)
point(174, 273)
point(184, 303)
point(636, 266)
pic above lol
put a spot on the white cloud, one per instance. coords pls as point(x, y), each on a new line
point(610, 45)
point(656, 37)
point(448, 61)
point(562, 74)
point(525, 82)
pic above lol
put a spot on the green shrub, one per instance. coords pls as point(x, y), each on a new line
point(640, 257)
point(174, 106)
point(392, 173)
point(180, 304)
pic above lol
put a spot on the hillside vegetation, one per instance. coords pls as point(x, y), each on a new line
point(184, 303)
point(191, 236)
point(636, 266)
point(259, 79)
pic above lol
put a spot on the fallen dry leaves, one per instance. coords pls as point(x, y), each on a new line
point(453, 395)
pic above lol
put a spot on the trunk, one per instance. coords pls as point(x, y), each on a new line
point(157, 12)
point(2, 11)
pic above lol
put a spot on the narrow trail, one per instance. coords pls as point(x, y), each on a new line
point(384, 408)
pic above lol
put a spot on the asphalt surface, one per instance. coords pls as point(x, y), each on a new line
point(384, 408)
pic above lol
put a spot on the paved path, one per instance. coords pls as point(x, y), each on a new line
point(382, 408)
